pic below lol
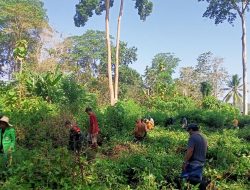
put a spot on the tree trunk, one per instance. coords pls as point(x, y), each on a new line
point(244, 64)
point(111, 89)
point(117, 51)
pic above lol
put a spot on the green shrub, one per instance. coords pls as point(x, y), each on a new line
point(244, 121)
point(123, 115)
point(214, 119)
point(211, 102)
point(244, 133)
point(158, 116)
point(173, 105)
point(193, 116)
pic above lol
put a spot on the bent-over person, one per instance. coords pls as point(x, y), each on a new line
point(140, 131)
point(7, 140)
point(75, 137)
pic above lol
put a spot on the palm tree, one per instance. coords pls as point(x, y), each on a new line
point(234, 87)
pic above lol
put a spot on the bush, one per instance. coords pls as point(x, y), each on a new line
point(158, 116)
point(193, 116)
point(244, 121)
point(173, 105)
point(244, 133)
point(123, 115)
point(214, 119)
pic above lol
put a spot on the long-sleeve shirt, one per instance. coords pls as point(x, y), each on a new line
point(93, 124)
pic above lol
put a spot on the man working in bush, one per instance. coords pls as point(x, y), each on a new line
point(75, 137)
point(93, 128)
point(195, 156)
point(7, 140)
point(140, 131)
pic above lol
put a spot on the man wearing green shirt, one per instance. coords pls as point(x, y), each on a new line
point(7, 140)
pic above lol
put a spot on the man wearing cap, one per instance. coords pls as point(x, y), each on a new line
point(195, 157)
point(7, 140)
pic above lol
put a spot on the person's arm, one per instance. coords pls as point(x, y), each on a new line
point(189, 152)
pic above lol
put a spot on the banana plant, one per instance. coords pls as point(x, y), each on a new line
point(46, 85)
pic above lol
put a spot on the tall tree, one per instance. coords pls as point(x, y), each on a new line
point(144, 9)
point(222, 10)
point(86, 55)
point(20, 20)
point(234, 87)
point(209, 68)
point(158, 77)
point(187, 83)
point(85, 9)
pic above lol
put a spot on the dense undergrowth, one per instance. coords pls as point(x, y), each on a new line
point(42, 161)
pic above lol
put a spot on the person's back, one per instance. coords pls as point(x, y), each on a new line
point(149, 124)
point(200, 147)
point(75, 136)
point(140, 130)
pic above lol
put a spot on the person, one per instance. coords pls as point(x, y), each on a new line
point(169, 121)
point(195, 157)
point(93, 130)
point(7, 140)
point(140, 131)
point(149, 123)
point(235, 123)
point(152, 121)
point(75, 137)
point(184, 123)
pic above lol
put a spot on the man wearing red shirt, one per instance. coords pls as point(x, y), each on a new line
point(93, 127)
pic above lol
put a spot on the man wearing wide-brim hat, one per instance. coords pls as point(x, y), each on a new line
point(7, 140)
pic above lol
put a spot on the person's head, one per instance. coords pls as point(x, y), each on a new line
point(68, 124)
point(88, 110)
point(4, 122)
point(191, 128)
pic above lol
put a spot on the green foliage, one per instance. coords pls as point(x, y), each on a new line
point(86, 8)
point(214, 119)
point(42, 169)
point(206, 89)
point(173, 105)
point(210, 102)
point(158, 77)
point(223, 10)
point(47, 85)
point(123, 115)
point(21, 51)
point(75, 96)
point(21, 21)
point(234, 89)
point(245, 133)
point(244, 121)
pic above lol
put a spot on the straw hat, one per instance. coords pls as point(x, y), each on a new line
point(6, 120)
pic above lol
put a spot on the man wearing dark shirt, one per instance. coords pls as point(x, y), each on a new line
point(196, 154)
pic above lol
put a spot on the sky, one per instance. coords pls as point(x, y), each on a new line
point(175, 26)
